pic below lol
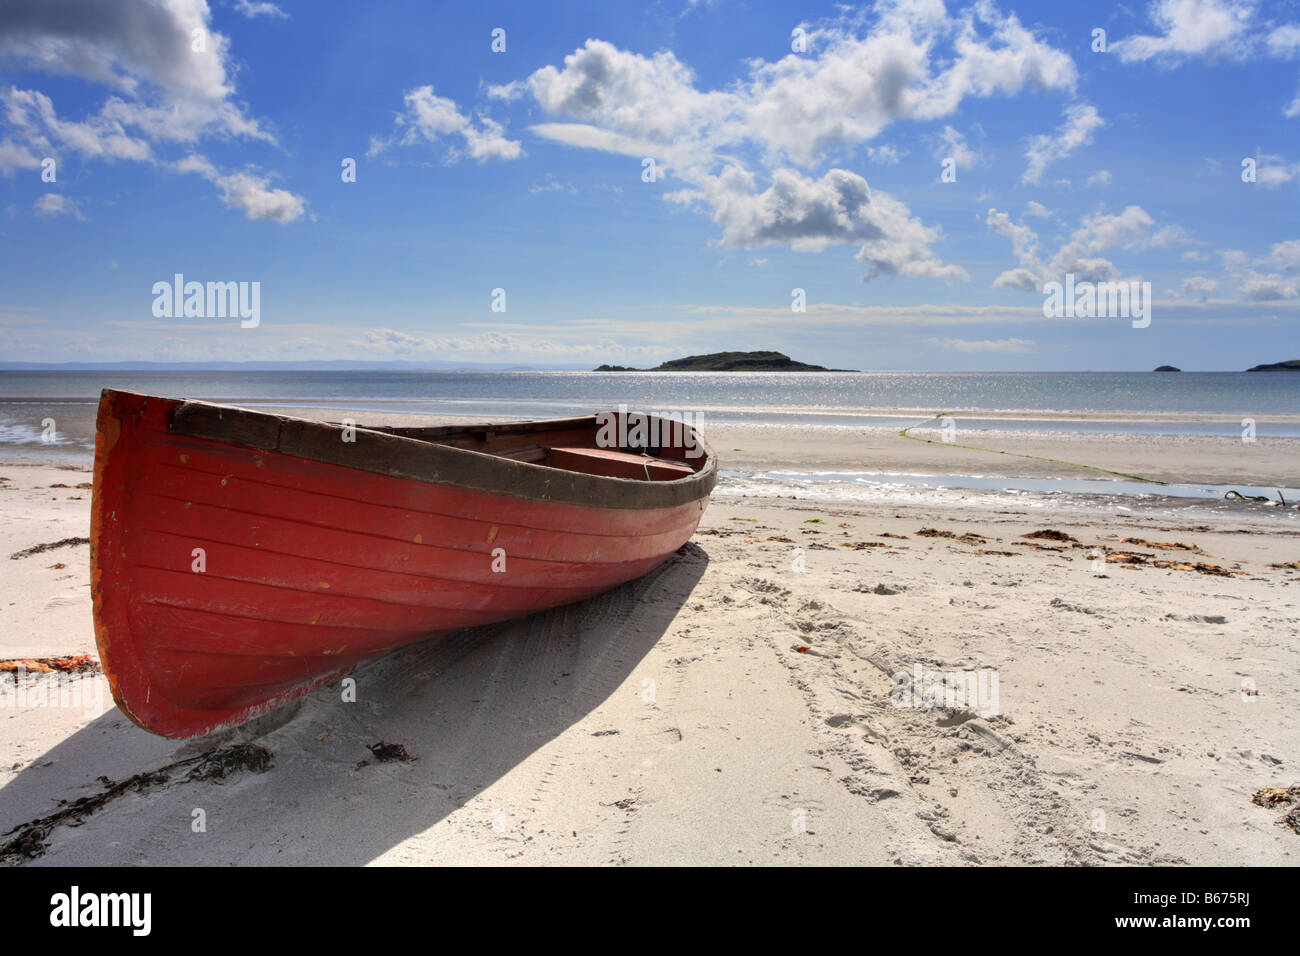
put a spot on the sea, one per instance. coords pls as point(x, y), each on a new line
point(46, 414)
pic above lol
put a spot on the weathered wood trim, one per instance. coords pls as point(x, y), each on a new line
point(388, 453)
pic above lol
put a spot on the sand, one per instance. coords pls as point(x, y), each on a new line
point(741, 704)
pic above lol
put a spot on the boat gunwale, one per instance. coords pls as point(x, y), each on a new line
point(418, 459)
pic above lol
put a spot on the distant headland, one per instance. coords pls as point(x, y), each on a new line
point(1292, 365)
point(1167, 368)
point(729, 362)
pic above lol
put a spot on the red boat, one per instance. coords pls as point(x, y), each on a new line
point(241, 559)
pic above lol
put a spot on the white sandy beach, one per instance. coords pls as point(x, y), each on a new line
point(734, 707)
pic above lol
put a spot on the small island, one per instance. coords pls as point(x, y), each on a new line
point(729, 362)
point(1167, 368)
point(1292, 365)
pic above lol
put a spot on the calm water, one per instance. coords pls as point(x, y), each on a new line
point(1191, 403)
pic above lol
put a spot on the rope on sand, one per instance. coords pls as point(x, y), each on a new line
point(1074, 464)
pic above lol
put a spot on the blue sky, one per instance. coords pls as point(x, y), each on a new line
point(777, 168)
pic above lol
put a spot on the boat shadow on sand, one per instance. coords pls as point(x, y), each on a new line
point(468, 707)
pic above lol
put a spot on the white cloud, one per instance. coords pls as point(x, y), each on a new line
point(886, 155)
point(985, 345)
point(1266, 286)
point(809, 214)
point(1043, 150)
point(430, 118)
point(259, 8)
point(952, 145)
point(170, 81)
point(1080, 254)
point(15, 156)
point(1284, 41)
point(1190, 27)
point(734, 147)
point(802, 107)
point(1269, 287)
point(1273, 171)
point(1039, 210)
point(142, 50)
point(1100, 178)
point(1285, 255)
point(1201, 286)
point(247, 192)
point(51, 205)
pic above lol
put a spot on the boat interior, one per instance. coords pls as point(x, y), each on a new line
point(575, 445)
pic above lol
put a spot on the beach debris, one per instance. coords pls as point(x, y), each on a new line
point(860, 545)
point(817, 521)
point(385, 753)
point(59, 566)
point(1127, 557)
point(1040, 547)
point(1286, 565)
point(1138, 756)
point(934, 533)
point(890, 534)
point(1276, 796)
point(32, 839)
point(1173, 545)
point(41, 548)
point(627, 803)
point(1200, 567)
point(970, 537)
point(79, 664)
point(781, 540)
point(219, 764)
point(1065, 606)
point(1051, 535)
point(1273, 797)
point(1007, 554)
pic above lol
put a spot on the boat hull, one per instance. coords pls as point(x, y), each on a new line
point(231, 577)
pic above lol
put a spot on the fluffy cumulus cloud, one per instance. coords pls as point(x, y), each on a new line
point(951, 144)
point(166, 72)
point(1212, 29)
point(1081, 121)
point(767, 155)
point(52, 205)
point(1273, 171)
point(1268, 278)
point(1201, 286)
point(259, 8)
point(430, 118)
point(1190, 28)
point(248, 192)
point(1081, 253)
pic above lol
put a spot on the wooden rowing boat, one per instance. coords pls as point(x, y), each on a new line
point(240, 559)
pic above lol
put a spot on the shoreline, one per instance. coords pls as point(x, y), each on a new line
point(1266, 463)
